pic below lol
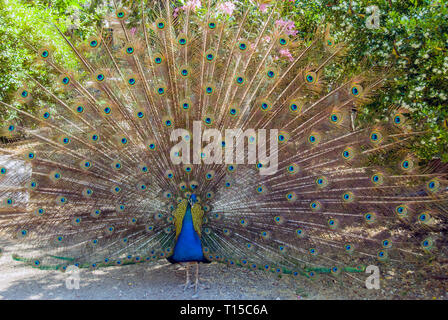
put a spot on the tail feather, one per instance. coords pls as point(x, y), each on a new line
point(96, 185)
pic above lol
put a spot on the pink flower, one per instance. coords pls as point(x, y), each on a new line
point(176, 12)
point(192, 5)
point(263, 7)
point(226, 7)
point(132, 31)
point(289, 26)
point(266, 39)
point(285, 53)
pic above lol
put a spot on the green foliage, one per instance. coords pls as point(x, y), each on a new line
point(26, 26)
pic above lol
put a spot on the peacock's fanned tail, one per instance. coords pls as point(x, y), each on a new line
point(93, 182)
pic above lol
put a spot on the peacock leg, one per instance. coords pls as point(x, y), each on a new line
point(187, 282)
point(197, 277)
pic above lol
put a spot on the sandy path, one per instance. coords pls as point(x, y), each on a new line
point(159, 280)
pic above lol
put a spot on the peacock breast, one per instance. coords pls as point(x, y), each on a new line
point(188, 223)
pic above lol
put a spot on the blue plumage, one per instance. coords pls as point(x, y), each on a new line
point(188, 247)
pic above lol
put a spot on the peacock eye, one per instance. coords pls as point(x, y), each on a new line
point(407, 164)
point(336, 117)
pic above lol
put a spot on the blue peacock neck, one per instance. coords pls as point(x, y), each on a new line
point(188, 247)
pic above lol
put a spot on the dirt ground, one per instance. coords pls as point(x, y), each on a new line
point(162, 280)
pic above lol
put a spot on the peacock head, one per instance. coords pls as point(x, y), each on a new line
point(193, 199)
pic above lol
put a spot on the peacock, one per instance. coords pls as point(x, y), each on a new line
point(195, 136)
